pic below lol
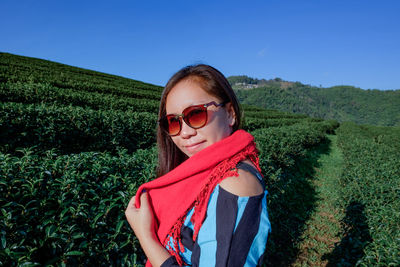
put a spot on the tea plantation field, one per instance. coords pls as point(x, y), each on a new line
point(75, 145)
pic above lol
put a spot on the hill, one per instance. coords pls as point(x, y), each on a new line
point(342, 103)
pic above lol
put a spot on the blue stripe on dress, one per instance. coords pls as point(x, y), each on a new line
point(206, 238)
point(204, 250)
point(242, 202)
point(187, 222)
point(258, 246)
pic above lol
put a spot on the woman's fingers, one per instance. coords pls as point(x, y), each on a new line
point(144, 200)
point(140, 219)
point(130, 209)
point(131, 203)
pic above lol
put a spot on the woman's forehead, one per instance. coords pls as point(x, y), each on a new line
point(186, 93)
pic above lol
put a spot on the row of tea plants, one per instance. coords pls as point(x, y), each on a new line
point(370, 187)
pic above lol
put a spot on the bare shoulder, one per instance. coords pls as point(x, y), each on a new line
point(246, 184)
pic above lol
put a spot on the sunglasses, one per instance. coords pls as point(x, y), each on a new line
point(194, 116)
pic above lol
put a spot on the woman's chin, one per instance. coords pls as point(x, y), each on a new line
point(191, 150)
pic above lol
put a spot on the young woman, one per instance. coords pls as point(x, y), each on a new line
point(208, 206)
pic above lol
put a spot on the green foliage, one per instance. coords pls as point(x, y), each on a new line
point(284, 153)
point(341, 103)
point(69, 209)
point(73, 129)
point(38, 93)
point(273, 114)
point(371, 178)
point(246, 108)
point(251, 124)
point(280, 147)
point(32, 70)
point(241, 79)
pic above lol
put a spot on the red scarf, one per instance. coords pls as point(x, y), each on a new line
point(190, 185)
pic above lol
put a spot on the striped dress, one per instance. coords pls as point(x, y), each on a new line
point(234, 232)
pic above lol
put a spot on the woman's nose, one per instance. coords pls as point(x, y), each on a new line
point(187, 131)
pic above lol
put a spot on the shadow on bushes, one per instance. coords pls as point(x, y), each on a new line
point(355, 239)
point(292, 201)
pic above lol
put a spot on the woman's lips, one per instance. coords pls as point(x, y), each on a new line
point(192, 148)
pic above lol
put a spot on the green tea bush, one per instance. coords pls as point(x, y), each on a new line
point(371, 177)
point(32, 70)
point(280, 147)
point(327, 126)
point(287, 166)
point(38, 93)
point(247, 108)
point(273, 114)
point(252, 123)
point(63, 210)
point(73, 129)
point(88, 86)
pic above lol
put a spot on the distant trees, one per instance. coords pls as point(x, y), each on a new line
point(342, 103)
point(242, 79)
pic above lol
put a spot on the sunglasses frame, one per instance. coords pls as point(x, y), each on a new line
point(182, 116)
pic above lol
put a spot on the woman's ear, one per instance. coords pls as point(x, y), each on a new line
point(231, 114)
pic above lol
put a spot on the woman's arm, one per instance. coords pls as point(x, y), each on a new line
point(246, 184)
point(236, 228)
point(142, 222)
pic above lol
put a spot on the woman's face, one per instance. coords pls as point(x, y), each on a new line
point(220, 119)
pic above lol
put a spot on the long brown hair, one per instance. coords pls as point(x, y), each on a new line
point(215, 84)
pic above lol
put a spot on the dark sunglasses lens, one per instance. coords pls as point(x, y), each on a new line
point(196, 117)
point(174, 125)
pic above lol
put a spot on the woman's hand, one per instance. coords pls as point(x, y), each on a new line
point(143, 224)
point(141, 220)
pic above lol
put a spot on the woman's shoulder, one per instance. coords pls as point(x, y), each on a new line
point(244, 185)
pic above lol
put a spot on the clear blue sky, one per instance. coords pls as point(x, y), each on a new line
point(315, 42)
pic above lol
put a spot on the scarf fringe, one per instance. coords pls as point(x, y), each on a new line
point(225, 169)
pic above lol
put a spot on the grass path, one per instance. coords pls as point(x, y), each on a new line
point(323, 229)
